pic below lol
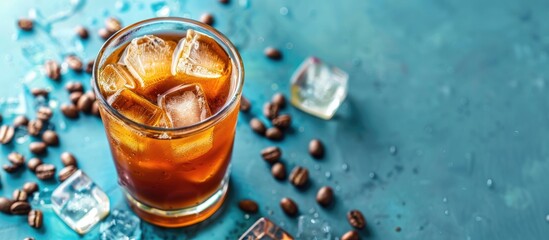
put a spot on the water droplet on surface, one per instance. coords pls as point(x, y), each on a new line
point(547, 218)
point(283, 11)
point(246, 216)
point(317, 167)
point(273, 191)
point(328, 175)
point(270, 212)
point(312, 210)
point(244, 3)
point(446, 212)
point(122, 6)
point(372, 175)
point(478, 218)
point(338, 188)
point(444, 199)
point(393, 150)
point(345, 167)
point(489, 183)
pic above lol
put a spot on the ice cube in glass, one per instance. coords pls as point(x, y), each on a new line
point(113, 78)
point(136, 108)
point(184, 105)
point(264, 229)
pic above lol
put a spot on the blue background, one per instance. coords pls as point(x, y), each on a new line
point(459, 87)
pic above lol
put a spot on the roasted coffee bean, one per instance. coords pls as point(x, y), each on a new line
point(279, 171)
point(350, 235)
point(33, 163)
point(112, 24)
point(356, 219)
point(19, 195)
point(69, 110)
point(274, 134)
point(104, 33)
point(279, 100)
point(16, 158)
point(40, 92)
point(5, 204)
point(10, 168)
point(224, 1)
point(74, 63)
point(20, 208)
point(271, 154)
point(25, 24)
point(289, 206)
point(75, 96)
point(299, 176)
point(257, 126)
point(50, 138)
point(38, 147)
point(34, 127)
point(316, 148)
point(6, 134)
point(44, 113)
point(45, 171)
point(273, 53)
point(35, 218)
point(91, 95)
point(95, 108)
point(270, 110)
point(30, 187)
point(68, 159)
point(248, 206)
point(52, 69)
point(85, 103)
point(325, 196)
point(82, 32)
point(89, 66)
point(245, 104)
point(66, 172)
point(74, 87)
point(20, 120)
point(207, 18)
point(283, 121)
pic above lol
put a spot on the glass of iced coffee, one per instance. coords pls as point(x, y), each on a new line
point(169, 93)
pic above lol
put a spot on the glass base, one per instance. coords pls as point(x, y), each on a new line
point(180, 217)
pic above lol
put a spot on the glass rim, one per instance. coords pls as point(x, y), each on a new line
point(232, 52)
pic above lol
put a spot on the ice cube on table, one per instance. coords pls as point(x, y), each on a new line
point(42, 198)
point(136, 108)
point(313, 229)
point(149, 59)
point(80, 203)
point(264, 229)
point(318, 88)
point(114, 77)
point(184, 105)
point(120, 225)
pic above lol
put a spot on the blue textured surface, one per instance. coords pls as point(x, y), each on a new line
point(457, 86)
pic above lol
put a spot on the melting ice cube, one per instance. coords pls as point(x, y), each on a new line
point(313, 229)
point(185, 105)
point(113, 78)
point(264, 229)
point(121, 225)
point(136, 108)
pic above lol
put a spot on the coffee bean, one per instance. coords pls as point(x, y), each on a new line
point(75, 96)
point(82, 32)
point(6, 134)
point(35, 218)
point(44, 113)
point(224, 1)
point(30, 187)
point(20, 208)
point(279, 100)
point(68, 159)
point(350, 235)
point(40, 92)
point(38, 147)
point(207, 18)
point(16, 158)
point(104, 33)
point(91, 95)
point(66, 172)
point(257, 126)
point(270, 110)
point(279, 171)
point(245, 104)
point(289, 206)
point(52, 69)
point(33, 163)
point(10, 168)
point(20, 120)
point(25, 24)
point(299, 176)
point(325, 196)
point(45, 171)
point(398, 229)
point(74, 63)
point(34, 127)
point(113, 25)
point(271, 154)
point(50, 138)
point(95, 108)
point(69, 110)
point(72, 87)
point(248, 206)
point(5, 204)
point(274, 134)
point(316, 148)
point(283, 121)
point(19, 195)
point(89, 66)
point(273, 53)
point(356, 219)
point(85, 103)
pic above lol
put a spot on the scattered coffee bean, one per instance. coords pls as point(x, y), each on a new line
point(6, 134)
point(20, 208)
point(283, 121)
point(44, 113)
point(89, 66)
point(20, 120)
point(50, 138)
point(19, 195)
point(30, 187)
point(245, 104)
point(273, 53)
point(112, 24)
point(104, 33)
point(5, 204)
point(325, 196)
point(35, 218)
point(257, 126)
point(10, 168)
point(33, 163)
point(299, 176)
point(224, 1)
point(279, 100)
point(52, 69)
point(38, 147)
point(34, 127)
point(82, 32)
point(69, 110)
point(25, 24)
point(316, 148)
point(274, 134)
point(45, 171)
point(75, 96)
point(350, 235)
point(16, 159)
point(207, 18)
point(91, 95)
point(356, 219)
point(95, 108)
point(40, 92)
point(85, 103)
point(68, 159)
point(66, 172)
point(279, 171)
point(271, 154)
point(270, 110)
point(72, 87)
point(74, 63)
point(248, 206)
point(289, 206)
